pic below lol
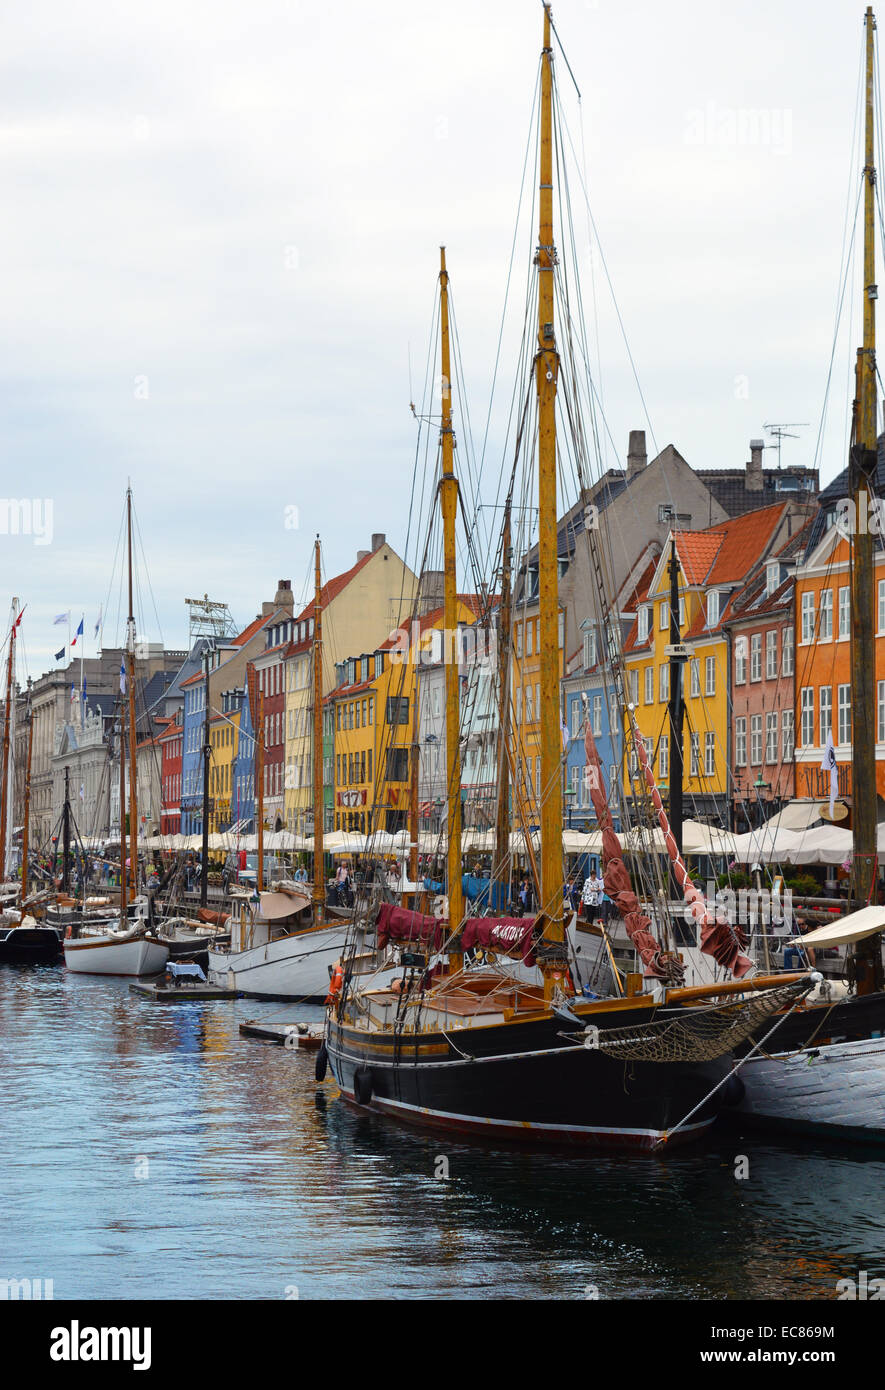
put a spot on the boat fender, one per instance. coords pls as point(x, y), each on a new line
point(322, 1063)
point(733, 1091)
point(335, 983)
point(362, 1086)
point(69, 931)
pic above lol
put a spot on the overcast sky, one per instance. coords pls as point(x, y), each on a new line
point(220, 244)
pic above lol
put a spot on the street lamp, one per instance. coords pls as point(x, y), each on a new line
point(761, 786)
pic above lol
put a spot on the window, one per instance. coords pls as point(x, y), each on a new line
point(771, 655)
point(825, 628)
point(664, 757)
point(713, 608)
point(710, 754)
point(787, 735)
point(756, 740)
point(529, 628)
point(845, 612)
point(695, 675)
point(634, 687)
point(880, 705)
point(397, 765)
point(825, 706)
point(771, 737)
point(787, 652)
point(695, 755)
point(710, 676)
point(649, 685)
point(644, 623)
point(844, 713)
point(882, 605)
point(597, 714)
point(756, 657)
point(772, 578)
point(664, 616)
point(529, 709)
point(517, 700)
point(808, 615)
point(740, 741)
point(740, 661)
point(589, 650)
point(664, 682)
point(806, 705)
point(576, 717)
point(397, 709)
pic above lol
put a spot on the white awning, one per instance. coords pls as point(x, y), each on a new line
point(797, 815)
point(854, 927)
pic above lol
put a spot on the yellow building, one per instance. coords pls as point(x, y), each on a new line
point(374, 710)
point(223, 739)
point(526, 709)
point(713, 564)
point(361, 608)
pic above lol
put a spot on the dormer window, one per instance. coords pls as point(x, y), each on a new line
point(644, 622)
point(772, 578)
point(713, 608)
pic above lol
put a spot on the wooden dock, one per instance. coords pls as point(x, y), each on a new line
point(305, 1035)
point(187, 992)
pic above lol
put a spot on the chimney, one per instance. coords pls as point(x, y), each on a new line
point(361, 555)
point(284, 597)
point(378, 539)
point(637, 458)
point(755, 481)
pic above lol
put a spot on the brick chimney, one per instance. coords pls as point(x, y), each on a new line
point(284, 597)
point(755, 482)
point(637, 458)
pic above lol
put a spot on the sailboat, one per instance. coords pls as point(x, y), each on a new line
point(281, 946)
point(828, 1075)
point(476, 1049)
point(130, 948)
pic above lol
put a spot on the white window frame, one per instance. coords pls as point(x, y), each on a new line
point(740, 741)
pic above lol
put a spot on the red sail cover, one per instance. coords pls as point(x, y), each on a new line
point(509, 935)
point(400, 924)
point(720, 940)
point(615, 874)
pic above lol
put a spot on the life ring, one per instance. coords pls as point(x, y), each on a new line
point(322, 1063)
point(336, 983)
point(362, 1086)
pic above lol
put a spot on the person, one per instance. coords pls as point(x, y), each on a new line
point(301, 874)
point(592, 895)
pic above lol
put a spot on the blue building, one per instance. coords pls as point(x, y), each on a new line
point(194, 690)
point(242, 807)
point(587, 685)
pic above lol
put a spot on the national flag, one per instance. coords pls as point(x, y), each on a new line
point(78, 633)
point(73, 692)
point(60, 656)
point(97, 624)
point(829, 761)
point(18, 619)
point(60, 618)
point(83, 691)
point(122, 678)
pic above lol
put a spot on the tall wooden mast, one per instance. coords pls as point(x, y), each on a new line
point(5, 799)
point(500, 869)
point(133, 760)
point(862, 473)
point(29, 717)
point(449, 504)
point(319, 883)
point(547, 368)
point(259, 786)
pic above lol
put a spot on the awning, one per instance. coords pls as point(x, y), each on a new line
point(797, 815)
point(854, 927)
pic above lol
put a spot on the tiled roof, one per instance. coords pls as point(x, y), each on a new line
point(332, 587)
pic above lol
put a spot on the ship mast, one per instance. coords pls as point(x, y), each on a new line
point(547, 368)
point(133, 761)
point(449, 505)
point(27, 810)
point(862, 477)
point(7, 720)
point(319, 885)
point(502, 819)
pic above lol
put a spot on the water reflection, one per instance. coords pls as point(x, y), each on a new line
point(150, 1151)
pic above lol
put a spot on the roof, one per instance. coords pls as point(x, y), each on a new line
point(729, 487)
point(332, 587)
point(426, 621)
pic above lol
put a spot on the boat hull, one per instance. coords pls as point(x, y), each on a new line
point(105, 955)
point(22, 944)
point(836, 1091)
point(296, 966)
point(541, 1091)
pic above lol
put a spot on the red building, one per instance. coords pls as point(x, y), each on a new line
point(170, 777)
point(270, 672)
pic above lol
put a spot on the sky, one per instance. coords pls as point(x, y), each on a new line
point(220, 249)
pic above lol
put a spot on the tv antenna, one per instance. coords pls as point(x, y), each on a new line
point(781, 432)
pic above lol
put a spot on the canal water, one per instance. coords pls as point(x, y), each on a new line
point(148, 1151)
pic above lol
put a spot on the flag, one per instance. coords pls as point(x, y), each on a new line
point(60, 656)
point(18, 619)
point(97, 623)
point(60, 618)
point(829, 761)
point(81, 792)
point(78, 633)
point(83, 691)
point(122, 678)
point(73, 692)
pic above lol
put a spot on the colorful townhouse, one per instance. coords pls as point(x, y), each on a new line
point(588, 692)
point(170, 776)
point(713, 565)
point(361, 608)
